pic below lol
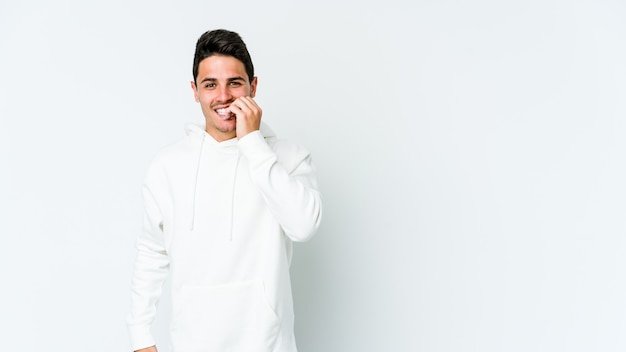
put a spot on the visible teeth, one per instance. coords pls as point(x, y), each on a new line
point(221, 111)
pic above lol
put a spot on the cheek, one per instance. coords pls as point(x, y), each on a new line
point(203, 98)
point(244, 92)
point(205, 105)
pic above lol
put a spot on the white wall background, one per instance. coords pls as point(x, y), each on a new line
point(471, 156)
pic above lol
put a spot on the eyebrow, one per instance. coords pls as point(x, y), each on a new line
point(231, 79)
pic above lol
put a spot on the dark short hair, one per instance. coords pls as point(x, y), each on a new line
point(222, 42)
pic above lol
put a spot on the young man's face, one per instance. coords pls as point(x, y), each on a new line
point(221, 80)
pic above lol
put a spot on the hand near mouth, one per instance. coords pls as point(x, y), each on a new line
point(248, 115)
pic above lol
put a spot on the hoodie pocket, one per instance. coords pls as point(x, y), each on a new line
point(232, 317)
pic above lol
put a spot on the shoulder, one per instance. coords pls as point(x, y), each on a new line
point(288, 152)
point(168, 157)
point(184, 147)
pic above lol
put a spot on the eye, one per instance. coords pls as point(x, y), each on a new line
point(209, 85)
point(235, 84)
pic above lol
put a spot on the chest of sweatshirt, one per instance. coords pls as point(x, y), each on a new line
point(213, 214)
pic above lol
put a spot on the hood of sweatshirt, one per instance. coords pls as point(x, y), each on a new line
point(200, 139)
point(197, 131)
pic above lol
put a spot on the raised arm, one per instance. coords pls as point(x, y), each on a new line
point(287, 182)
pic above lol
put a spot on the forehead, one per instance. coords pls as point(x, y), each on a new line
point(221, 66)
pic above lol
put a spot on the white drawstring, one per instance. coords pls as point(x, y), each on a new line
point(195, 187)
point(232, 199)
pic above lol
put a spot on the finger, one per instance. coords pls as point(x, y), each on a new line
point(236, 107)
point(246, 106)
point(246, 102)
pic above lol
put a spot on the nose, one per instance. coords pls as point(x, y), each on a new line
point(223, 94)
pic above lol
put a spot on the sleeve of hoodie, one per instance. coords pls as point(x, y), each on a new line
point(287, 182)
point(151, 269)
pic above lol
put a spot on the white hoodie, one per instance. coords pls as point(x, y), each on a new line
point(220, 218)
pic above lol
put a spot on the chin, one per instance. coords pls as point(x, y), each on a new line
point(227, 129)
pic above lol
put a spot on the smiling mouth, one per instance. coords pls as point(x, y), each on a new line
point(224, 114)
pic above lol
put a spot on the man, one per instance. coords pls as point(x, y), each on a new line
point(222, 207)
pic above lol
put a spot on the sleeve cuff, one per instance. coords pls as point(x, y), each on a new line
point(140, 337)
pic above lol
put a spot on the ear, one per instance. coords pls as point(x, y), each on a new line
point(253, 84)
point(195, 91)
